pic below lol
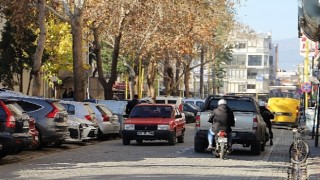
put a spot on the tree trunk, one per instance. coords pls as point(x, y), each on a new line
point(97, 51)
point(186, 81)
point(151, 79)
point(108, 92)
point(78, 58)
point(201, 93)
point(37, 58)
point(29, 83)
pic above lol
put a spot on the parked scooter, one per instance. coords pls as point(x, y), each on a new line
point(221, 145)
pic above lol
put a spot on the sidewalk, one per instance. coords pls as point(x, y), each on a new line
point(313, 162)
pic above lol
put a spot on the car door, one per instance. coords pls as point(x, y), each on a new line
point(180, 122)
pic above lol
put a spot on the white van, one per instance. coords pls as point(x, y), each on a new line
point(177, 100)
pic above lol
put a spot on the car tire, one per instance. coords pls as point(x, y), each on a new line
point(172, 139)
point(3, 153)
point(199, 146)
point(181, 138)
point(125, 141)
point(256, 148)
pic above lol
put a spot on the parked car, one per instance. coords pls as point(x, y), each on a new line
point(107, 121)
point(80, 130)
point(196, 101)
point(78, 109)
point(50, 116)
point(14, 129)
point(154, 122)
point(285, 110)
point(191, 108)
point(18, 111)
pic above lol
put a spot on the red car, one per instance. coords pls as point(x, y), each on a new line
point(154, 122)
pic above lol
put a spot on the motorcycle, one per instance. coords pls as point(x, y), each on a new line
point(221, 145)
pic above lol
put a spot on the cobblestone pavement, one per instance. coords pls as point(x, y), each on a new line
point(112, 160)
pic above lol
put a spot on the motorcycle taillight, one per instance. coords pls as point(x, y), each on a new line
point(222, 133)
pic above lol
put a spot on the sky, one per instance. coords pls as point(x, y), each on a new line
point(280, 17)
point(276, 16)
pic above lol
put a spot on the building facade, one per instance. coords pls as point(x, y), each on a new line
point(252, 69)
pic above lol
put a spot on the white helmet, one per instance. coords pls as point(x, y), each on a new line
point(222, 101)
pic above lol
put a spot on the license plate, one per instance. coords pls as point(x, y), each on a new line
point(96, 132)
point(145, 133)
point(221, 140)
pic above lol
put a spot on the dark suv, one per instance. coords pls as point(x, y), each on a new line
point(14, 129)
point(50, 116)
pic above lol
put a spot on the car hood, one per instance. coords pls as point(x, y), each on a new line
point(149, 120)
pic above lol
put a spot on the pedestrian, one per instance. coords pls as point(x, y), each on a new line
point(132, 103)
point(267, 116)
point(222, 118)
point(65, 93)
point(70, 93)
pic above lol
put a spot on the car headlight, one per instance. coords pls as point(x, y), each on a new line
point(163, 127)
point(129, 127)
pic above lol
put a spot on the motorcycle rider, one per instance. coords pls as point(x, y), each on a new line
point(222, 118)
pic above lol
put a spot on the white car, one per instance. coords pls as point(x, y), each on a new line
point(81, 130)
point(108, 122)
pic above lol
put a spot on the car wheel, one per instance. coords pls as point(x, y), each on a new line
point(199, 146)
point(125, 141)
point(181, 138)
point(54, 144)
point(3, 153)
point(172, 139)
point(139, 141)
point(256, 148)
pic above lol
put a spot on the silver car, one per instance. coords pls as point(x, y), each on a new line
point(108, 122)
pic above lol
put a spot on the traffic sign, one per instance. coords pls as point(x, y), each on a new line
point(306, 87)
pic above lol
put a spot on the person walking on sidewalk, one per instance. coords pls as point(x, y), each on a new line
point(267, 116)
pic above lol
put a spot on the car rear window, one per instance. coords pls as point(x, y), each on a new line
point(28, 106)
point(235, 105)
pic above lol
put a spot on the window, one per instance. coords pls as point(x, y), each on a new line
point(27, 106)
point(238, 60)
point(242, 88)
point(251, 86)
point(265, 61)
point(254, 60)
point(270, 60)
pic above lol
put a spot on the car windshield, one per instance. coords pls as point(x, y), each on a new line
point(151, 111)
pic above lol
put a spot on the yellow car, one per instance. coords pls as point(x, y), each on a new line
point(285, 110)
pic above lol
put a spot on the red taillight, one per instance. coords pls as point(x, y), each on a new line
point(255, 124)
point(222, 134)
point(32, 123)
point(105, 118)
point(54, 111)
point(88, 117)
point(198, 120)
point(10, 121)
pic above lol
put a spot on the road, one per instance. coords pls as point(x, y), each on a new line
point(150, 160)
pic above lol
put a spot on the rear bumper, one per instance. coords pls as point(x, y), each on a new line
point(157, 135)
point(109, 128)
point(15, 141)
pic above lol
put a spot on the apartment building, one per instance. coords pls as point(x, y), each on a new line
point(252, 69)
